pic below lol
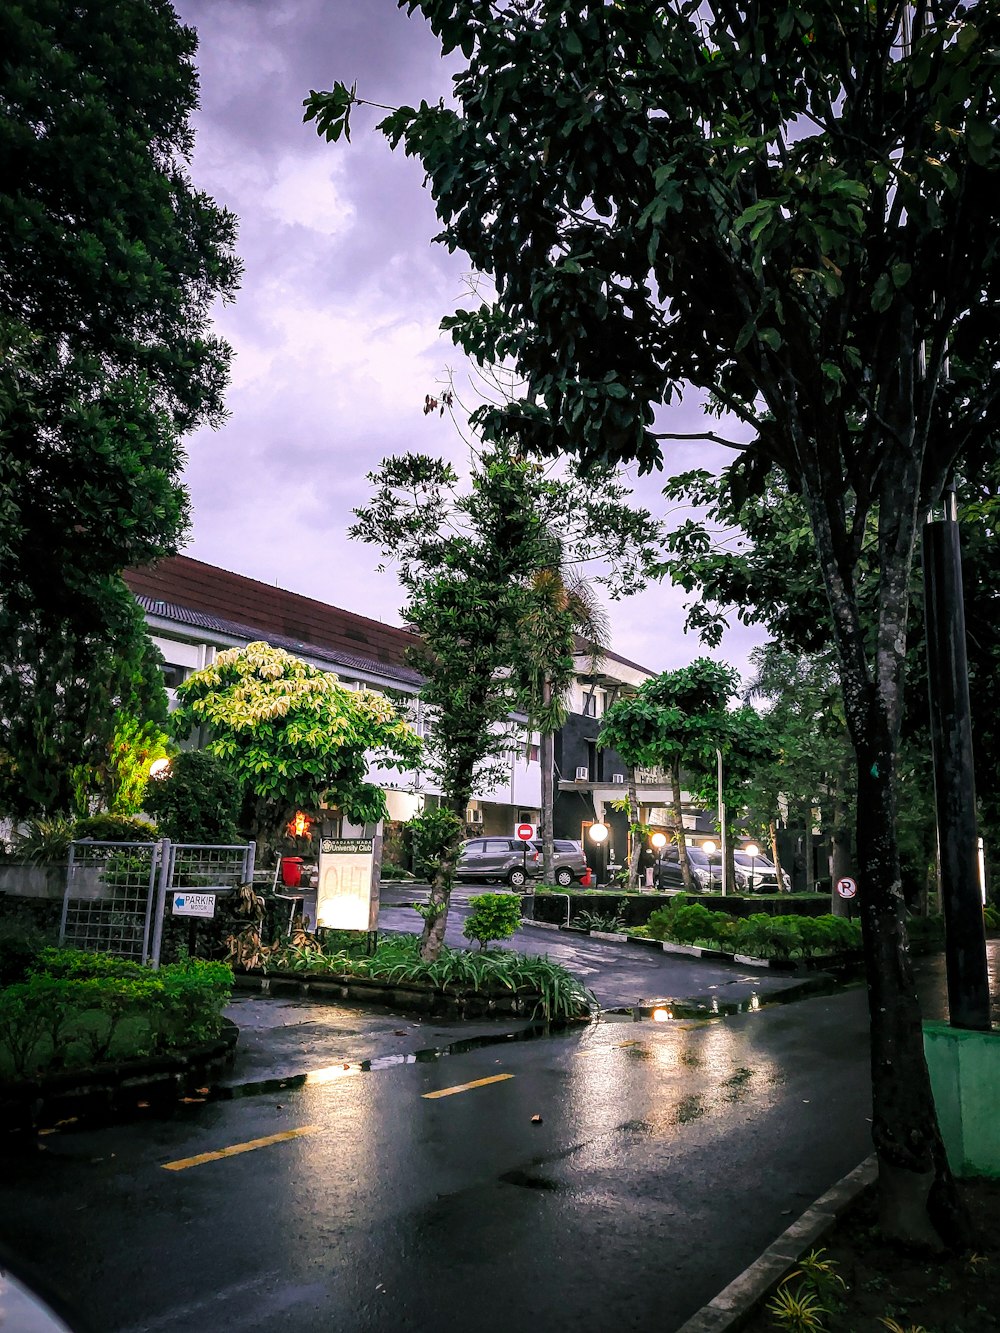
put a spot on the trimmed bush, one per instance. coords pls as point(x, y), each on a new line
point(759, 935)
point(115, 828)
point(197, 801)
point(76, 1009)
point(494, 916)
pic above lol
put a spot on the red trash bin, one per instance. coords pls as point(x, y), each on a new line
point(291, 871)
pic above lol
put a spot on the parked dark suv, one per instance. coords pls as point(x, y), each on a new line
point(706, 871)
point(570, 862)
point(489, 860)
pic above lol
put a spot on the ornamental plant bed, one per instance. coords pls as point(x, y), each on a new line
point(457, 1001)
point(888, 1287)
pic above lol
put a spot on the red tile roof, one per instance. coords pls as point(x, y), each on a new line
point(184, 582)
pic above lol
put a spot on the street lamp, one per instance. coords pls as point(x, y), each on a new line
point(598, 833)
point(659, 841)
point(709, 847)
point(159, 768)
point(753, 851)
point(722, 821)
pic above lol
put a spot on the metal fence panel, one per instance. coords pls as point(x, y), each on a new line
point(118, 893)
point(107, 904)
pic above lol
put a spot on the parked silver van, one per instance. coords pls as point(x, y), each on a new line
point(488, 860)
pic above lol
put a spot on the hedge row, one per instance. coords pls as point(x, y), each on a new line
point(759, 935)
point(77, 1009)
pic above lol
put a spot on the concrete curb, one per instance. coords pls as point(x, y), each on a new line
point(734, 1305)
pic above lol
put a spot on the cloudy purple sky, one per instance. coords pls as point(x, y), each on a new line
point(336, 326)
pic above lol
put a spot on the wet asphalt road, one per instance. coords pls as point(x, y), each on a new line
point(667, 1156)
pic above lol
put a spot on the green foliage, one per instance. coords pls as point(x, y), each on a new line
point(45, 841)
point(77, 1009)
point(75, 686)
point(290, 733)
point(115, 828)
point(435, 835)
point(197, 800)
point(610, 922)
point(110, 271)
point(398, 960)
point(758, 935)
point(991, 916)
point(494, 916)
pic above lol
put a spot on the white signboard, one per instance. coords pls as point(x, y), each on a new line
point(526, 832)
point(347, 893)
point(193, 904)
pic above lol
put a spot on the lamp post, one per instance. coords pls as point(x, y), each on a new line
point(753, 851)
point(709, 847)
point(722, 822)
point(657, 841)
point(598, 834)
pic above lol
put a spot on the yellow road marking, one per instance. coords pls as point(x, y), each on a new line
point(464, 1087)
point(184, 1162)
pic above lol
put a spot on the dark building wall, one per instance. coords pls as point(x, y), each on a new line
point(576, 747)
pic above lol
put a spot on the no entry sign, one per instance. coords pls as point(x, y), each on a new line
point(847, 887)
point(526, 832)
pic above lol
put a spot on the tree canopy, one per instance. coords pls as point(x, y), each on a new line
point(292, 735)
point(110, 261)
point(794, 211)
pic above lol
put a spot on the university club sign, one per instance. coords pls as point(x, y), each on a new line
point(347, 893)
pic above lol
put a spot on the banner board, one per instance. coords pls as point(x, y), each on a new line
point(347, 893)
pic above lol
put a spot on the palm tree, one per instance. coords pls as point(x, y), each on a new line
point(565, 619)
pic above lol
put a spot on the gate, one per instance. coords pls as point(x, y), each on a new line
point(117, 893)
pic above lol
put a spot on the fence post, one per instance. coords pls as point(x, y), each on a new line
point(249, 861)
point(65, 902)
point(161, 903)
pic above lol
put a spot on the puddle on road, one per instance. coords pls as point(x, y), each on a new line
point(660, 1011)
point(428, 1055)
point(663, 1010)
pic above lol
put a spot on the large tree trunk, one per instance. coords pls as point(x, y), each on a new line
point(772, 836)
point(546, 753)
point(439, 898)
point(678, 815)
point(635, 838)
point(917, 1197)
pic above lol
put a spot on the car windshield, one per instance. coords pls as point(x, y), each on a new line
point(745, 859)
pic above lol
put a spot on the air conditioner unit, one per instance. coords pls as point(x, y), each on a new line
point(618, 779)
point(582, 774)
point(473, 816)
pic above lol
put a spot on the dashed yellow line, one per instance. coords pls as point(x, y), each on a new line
point(465, 1087)
point(183, 1163)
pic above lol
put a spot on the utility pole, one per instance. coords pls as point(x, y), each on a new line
point(954, 777)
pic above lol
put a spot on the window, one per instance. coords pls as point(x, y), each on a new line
point(533, 754)
point(590, 704)
point(172, 675)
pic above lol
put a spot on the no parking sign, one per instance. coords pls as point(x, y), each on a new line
point(847, 887)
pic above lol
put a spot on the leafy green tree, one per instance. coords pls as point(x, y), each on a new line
point(110, 262)
point(484, 571)
point(678, 721)
point(198, 799)
point(795, 211)
point(66, 692)
point(291, 734)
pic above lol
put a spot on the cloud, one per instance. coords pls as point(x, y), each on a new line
point(336, 328)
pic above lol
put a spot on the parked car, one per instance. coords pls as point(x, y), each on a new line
point(759, 874)
point(570, 862)
point(706, 871)
point(490, 860)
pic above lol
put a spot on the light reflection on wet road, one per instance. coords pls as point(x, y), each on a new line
point(395, 1212)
